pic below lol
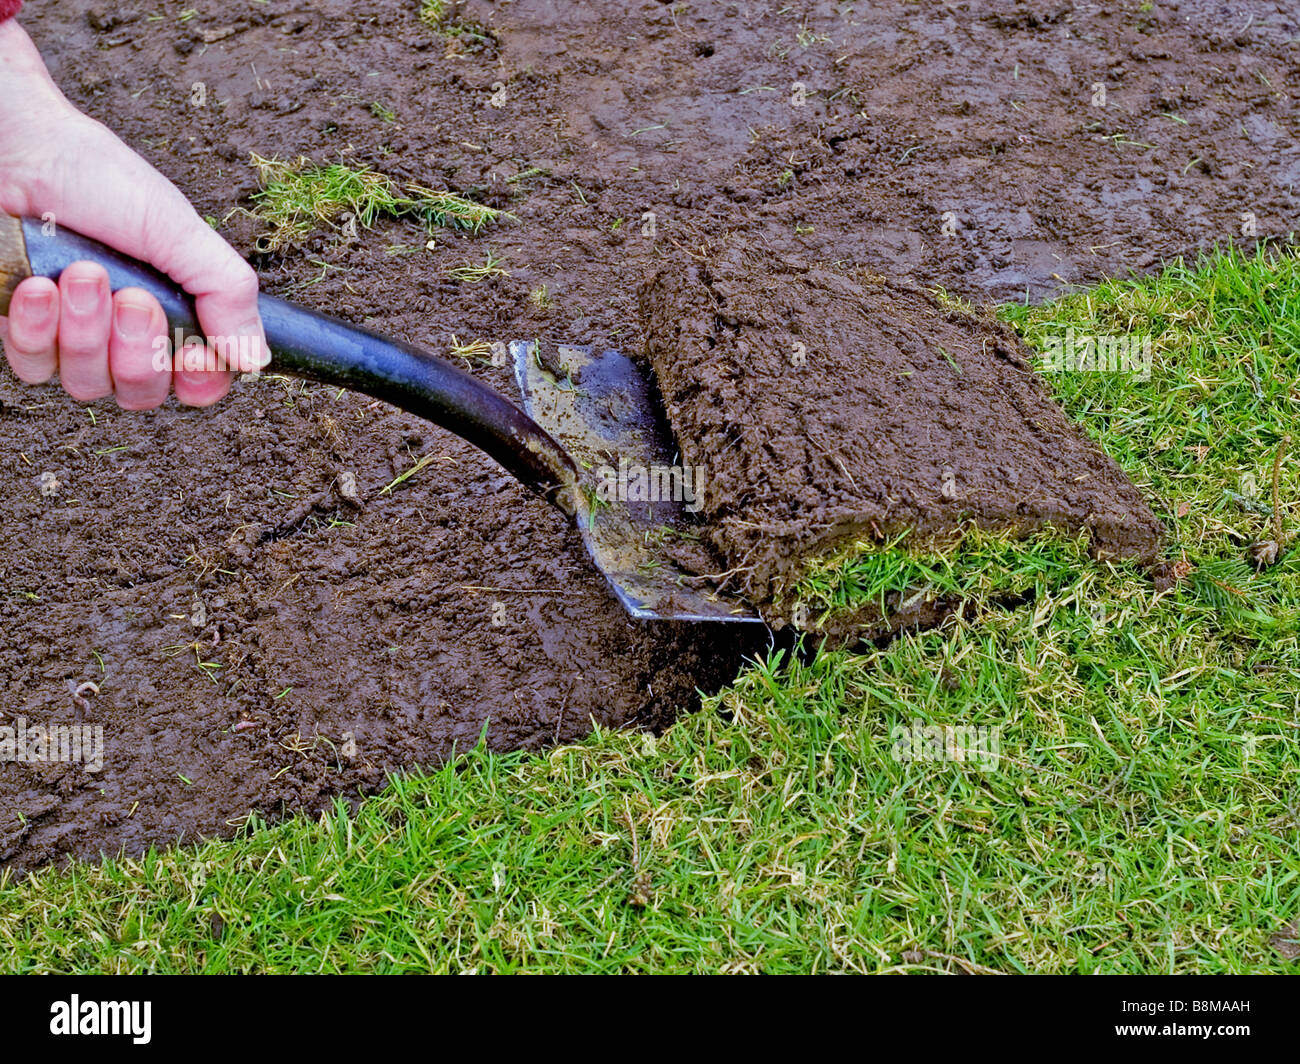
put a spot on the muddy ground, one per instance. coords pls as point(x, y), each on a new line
point(240, 619)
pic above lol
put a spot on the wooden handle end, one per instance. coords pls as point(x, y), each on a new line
point(14, 265)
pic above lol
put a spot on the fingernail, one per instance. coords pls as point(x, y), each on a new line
point(39, 305)
point(261, 353)
point(83, 295)
point(253, 355)
point(132, 320)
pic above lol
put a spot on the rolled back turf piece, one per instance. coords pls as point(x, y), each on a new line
point(825, 408)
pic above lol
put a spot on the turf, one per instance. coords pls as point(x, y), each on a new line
point(461, 36)
point(978, 569)
point(296, 198)
point(1140, 815)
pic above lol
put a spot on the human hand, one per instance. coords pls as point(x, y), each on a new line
point(56, 161)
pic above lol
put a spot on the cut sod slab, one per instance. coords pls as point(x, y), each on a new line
point(850, 431)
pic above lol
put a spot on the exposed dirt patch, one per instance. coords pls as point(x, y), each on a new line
point(825, 407)
point(610, 112)
point(242, 619)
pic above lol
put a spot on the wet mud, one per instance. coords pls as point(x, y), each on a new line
point(258, 641)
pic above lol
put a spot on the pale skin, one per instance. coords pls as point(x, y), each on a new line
point(55, 161)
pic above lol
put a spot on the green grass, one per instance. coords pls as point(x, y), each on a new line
point(433, 11)
point(979, 568)
point(1141, 816)
point(299, 197)
point(462, 37)
point(472, 274)
point(1225, 338)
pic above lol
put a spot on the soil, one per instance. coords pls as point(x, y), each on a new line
point(241, 617)
point(823, 407)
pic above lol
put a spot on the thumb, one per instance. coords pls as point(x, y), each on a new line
point(133, 208)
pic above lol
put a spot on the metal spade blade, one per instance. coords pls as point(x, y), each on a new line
point(635, 499)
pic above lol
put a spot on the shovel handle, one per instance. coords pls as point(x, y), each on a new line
point(315, 346)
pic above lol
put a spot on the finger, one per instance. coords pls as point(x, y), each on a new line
point(32, 336)
point(231, 323)
point(197, 377)
point(145, 216)
point(85, 318)
point(177, 241)
point(138, 359)
point(227, 308)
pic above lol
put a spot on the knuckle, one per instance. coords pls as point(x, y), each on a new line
point(84, 394)
point(242, 283)
point(32, 372)
point(135, 377)
point(85, 351)
point(31, 338)
point(140, 402)
point(19, 345)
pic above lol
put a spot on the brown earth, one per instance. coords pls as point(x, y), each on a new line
point(317, 620)
point(823, 407)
